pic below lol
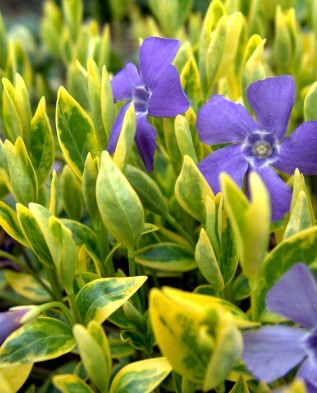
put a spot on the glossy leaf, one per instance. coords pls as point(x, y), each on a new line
point(142, 376)
point(42, 339)
point(207, 262)
point(9, 222)
point(98, 299)
point(75, 132)
point(125, 142)
point(71, 193)
point(41, 143)
point(119, 206)
point(184, 138)
point(67, 383)
point(191, 81)
point(191, 190)
point(147, 189)
point(14, 377)
point(167, 257)
point(250, 221)
point(11, 119)
point(300, 217)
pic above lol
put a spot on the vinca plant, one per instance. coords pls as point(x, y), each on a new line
point(158, 197)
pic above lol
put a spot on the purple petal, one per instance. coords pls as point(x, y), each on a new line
point(271, 351)
point(116, 129)
point(145, 139)
point(10, 321)
point(223, 121)
point(272, 100)
point(124, 81)
point(168, 98)
point(299, 150)
point(294, 296)
point(280, 193)
point(229, 159)
point(308, 372)
point(156, 54)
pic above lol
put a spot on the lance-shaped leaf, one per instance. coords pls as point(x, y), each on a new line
point(300, 217)
point(250, 221)
point(106, 101)
point(73, 14)
point(71, 383)
point(207, 262)
point(184, 138)
point(169, 257)
point(41, 143)
point(34, 236)
point(147, 189)
point(142, 376)
point(126, 138)
point(240, 386)
point(51, 26)
point(11, 119)
point(310, 103)
point(94, 350)
point(39, 340)
point(9, 222)
point(23, 180)
point(89, 188)
point(119, 205)
point(191, 80)
point(75, 130)
point(26, 285)
point(191, 190)
point(71, 193)
point(98, 299)
point(22, 103)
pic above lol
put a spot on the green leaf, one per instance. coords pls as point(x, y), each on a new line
point(26, 285)
point(73, 14)
point(22, 176)
point(41, 143)
point(250, 221)
point(300, 218)
point(191, 80)
point(71, 383)
point(11, 119)
point(141, 377)
point(126, 138)
point(37, 341)
point(166, 256)
point(89, 188)
point(207, 262)
point(75, 132)
point(106, 101)
point(240, 386)
point(22, 103)
point(310, 103)
point(51, 26)
point(191, 190)
point(301, 247)
point(120, 207)
point(94, 350)
point(98, 299)
point(71, 193)
point(9, 222)
point(184, 138)
point(147, 189)
point(33, 234)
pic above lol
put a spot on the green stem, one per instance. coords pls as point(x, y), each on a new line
point(254, 298)
point(181, 230)
point(43, 307)
point(53, 280)
point(73, 307)
point(27, 269)
point(131, 259)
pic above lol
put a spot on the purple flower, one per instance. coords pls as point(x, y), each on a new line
point(155, 91)
point(10, 321)
point(270, 352)
point(258, 145)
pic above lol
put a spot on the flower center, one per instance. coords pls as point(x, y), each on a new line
point(260, 148)
point(140, 98)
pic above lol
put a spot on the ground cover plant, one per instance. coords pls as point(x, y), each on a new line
point(158, 197)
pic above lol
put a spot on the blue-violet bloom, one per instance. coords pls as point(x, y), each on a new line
point(256, 145)
point(155, 91)
point(10, 321)
point(270, 352)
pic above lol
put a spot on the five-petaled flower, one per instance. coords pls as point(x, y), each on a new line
point(156, 91)
point(10, 321)
point(270, 352)
point(258, 145)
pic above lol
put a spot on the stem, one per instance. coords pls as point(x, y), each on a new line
point(43, 307)
point(27, 269)
point(53, 280)
point(131, 259)
point(181, 230)
point(254, 297)
point(73, 307)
